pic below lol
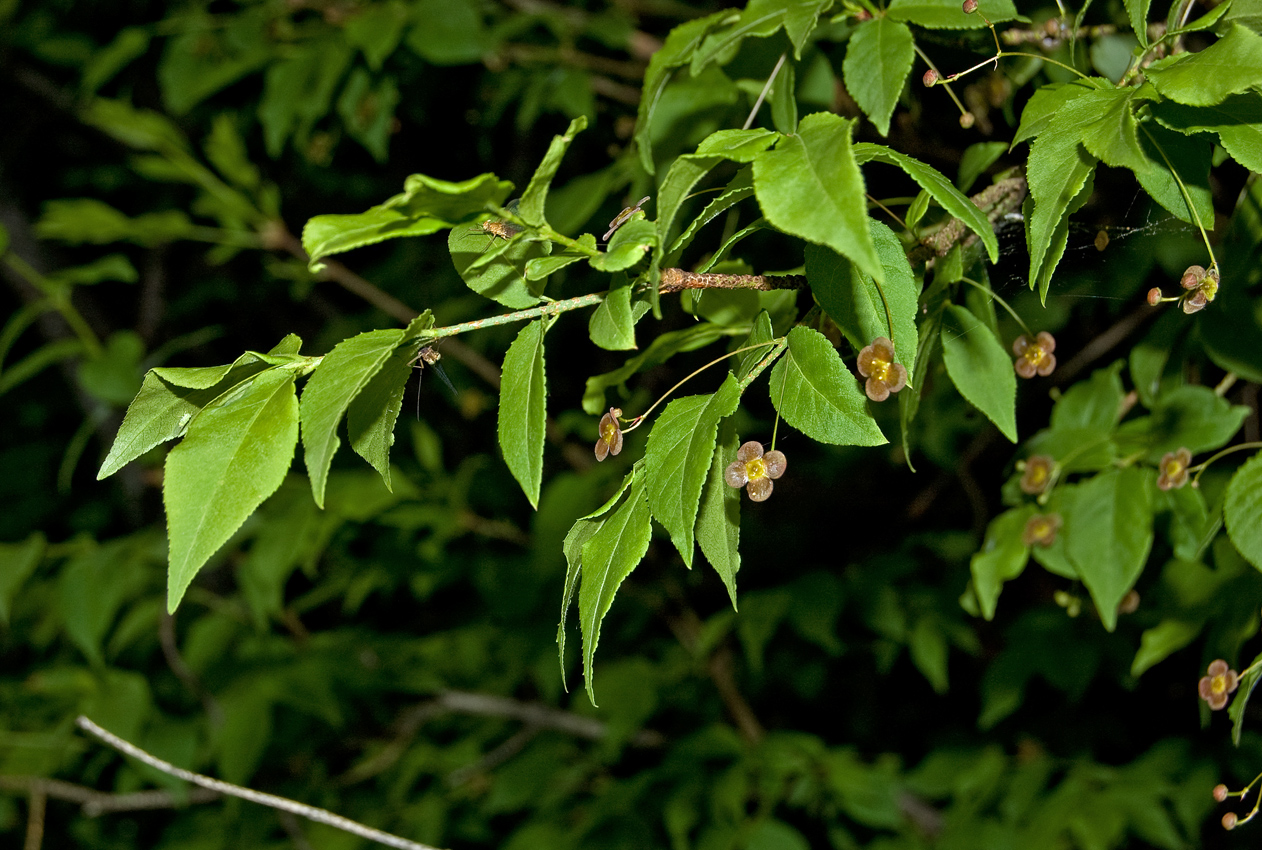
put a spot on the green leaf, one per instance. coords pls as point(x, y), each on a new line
point(784, 104)
point(978, 157)
point(929, 332)
point(1191, 417)
point(1094, 404)
point(1059, 170)
point(495, 267)
point(377, 30)
point(18, 561)
point(1161, 641)
point(942, 190)
point(737, 145)
point(1002, 557)
point(946, 14)
point(1244, 690)
point(366, 107)
point(678, 49)
point(1108, 534)
point(627, 246)
point(86, 220)
point(523, 413)
point(234, 456)
point(608, 557)
point(738, 189)
point(1137, 11)
point(372, 413)
point(1231, 65)
point(810, 186)
point(719, 516)
point(878, 60)
point(1040, 111)
point(685, 172)
point(980, 368)
point(679, 454)
point(448, 33)
point(1242, 510)
point(535, 198)
point(761, 333)
point(863, 309)
point(582, 531)
point(163, 409)
point(341, 376)
point(1237, 121)
point(612, 325)
point(425, 206)
point(817, 395)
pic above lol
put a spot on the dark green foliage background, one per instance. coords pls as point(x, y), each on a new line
point(852, 702)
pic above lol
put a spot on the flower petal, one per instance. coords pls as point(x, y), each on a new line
point(749, 451)
point(776, 463)
point(759, 490)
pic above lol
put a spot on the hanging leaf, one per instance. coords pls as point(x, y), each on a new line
point(679, 454)
point(1108, 534)
point(878, 60)
point(817, 395)
point(719, 516)
point(980, 368)
point(235, 455)
point(1002, 558)
point(1242, 510)
point(810, 186)
point(523, 413)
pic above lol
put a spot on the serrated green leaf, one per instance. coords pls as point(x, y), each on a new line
point(162, 410)
point(535, 198)
point(758, 336)
point(946, 14)
point(87, 220)
point(1242, 510)
point(1002, 558)
point(608, 557)
point(1040, 111)
point(1231, 65)
point(928, 334)
point(679, 454)
point(1244, 690)
point(495, 267)
point(737, 145)
point(810, 186)
point(627, 246)
point(878, 60)
point(719, 516)
point(523, 412)
point(1058, 171)
point(1137, 11)
point(1237, 121)
point(784, 104)
point(1094, 404)
point(1109, 533)
point(937, 185)
point(817, 395)
point(425, 206)
point(738, 189)
point(863, 309)
point(372, 413)
point(340, 377)
point(612, 325)
point(234, 456)
point(980, 368)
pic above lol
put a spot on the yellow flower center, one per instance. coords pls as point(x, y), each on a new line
point(608, 432)
point(756, 469)
point(1218, 684)
point(1035, 354)
point(881, 371)
point(1173, 467)
point(1038, 474)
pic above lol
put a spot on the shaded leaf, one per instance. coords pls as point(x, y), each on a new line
point(878, 60)
point(1002, 557)
point(1109, 533)
point(980, 368)
point(817, 395)
point(523, 412)
point(719, 516)
point(1242, 510)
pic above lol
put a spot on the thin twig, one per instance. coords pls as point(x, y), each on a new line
point(37, 802)
point(95, 803)
point(322, 816)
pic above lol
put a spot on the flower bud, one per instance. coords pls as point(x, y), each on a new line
point(1229, 820)
point(1154, 296)
point(930, 78)
point(970, 6)
point(1220, 792)
point(967, 120)
point(1192, 277)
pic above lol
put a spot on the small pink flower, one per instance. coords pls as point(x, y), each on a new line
point(876, 363)
point(610, 442)
point(1041, 529)
point(754, 470)
point(1037, 473)
point(1218, 685)
point(1034, 356)
point(1174, 469)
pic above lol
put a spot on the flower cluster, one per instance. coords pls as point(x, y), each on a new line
point(1219, 684)
point(754, 470)
point(1034, 356)
point(876, 363)
point(1201, 286)
point(610, 442)
point(1174, 469)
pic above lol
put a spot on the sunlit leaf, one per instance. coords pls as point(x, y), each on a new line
point(817, 395)
point(522, 413)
